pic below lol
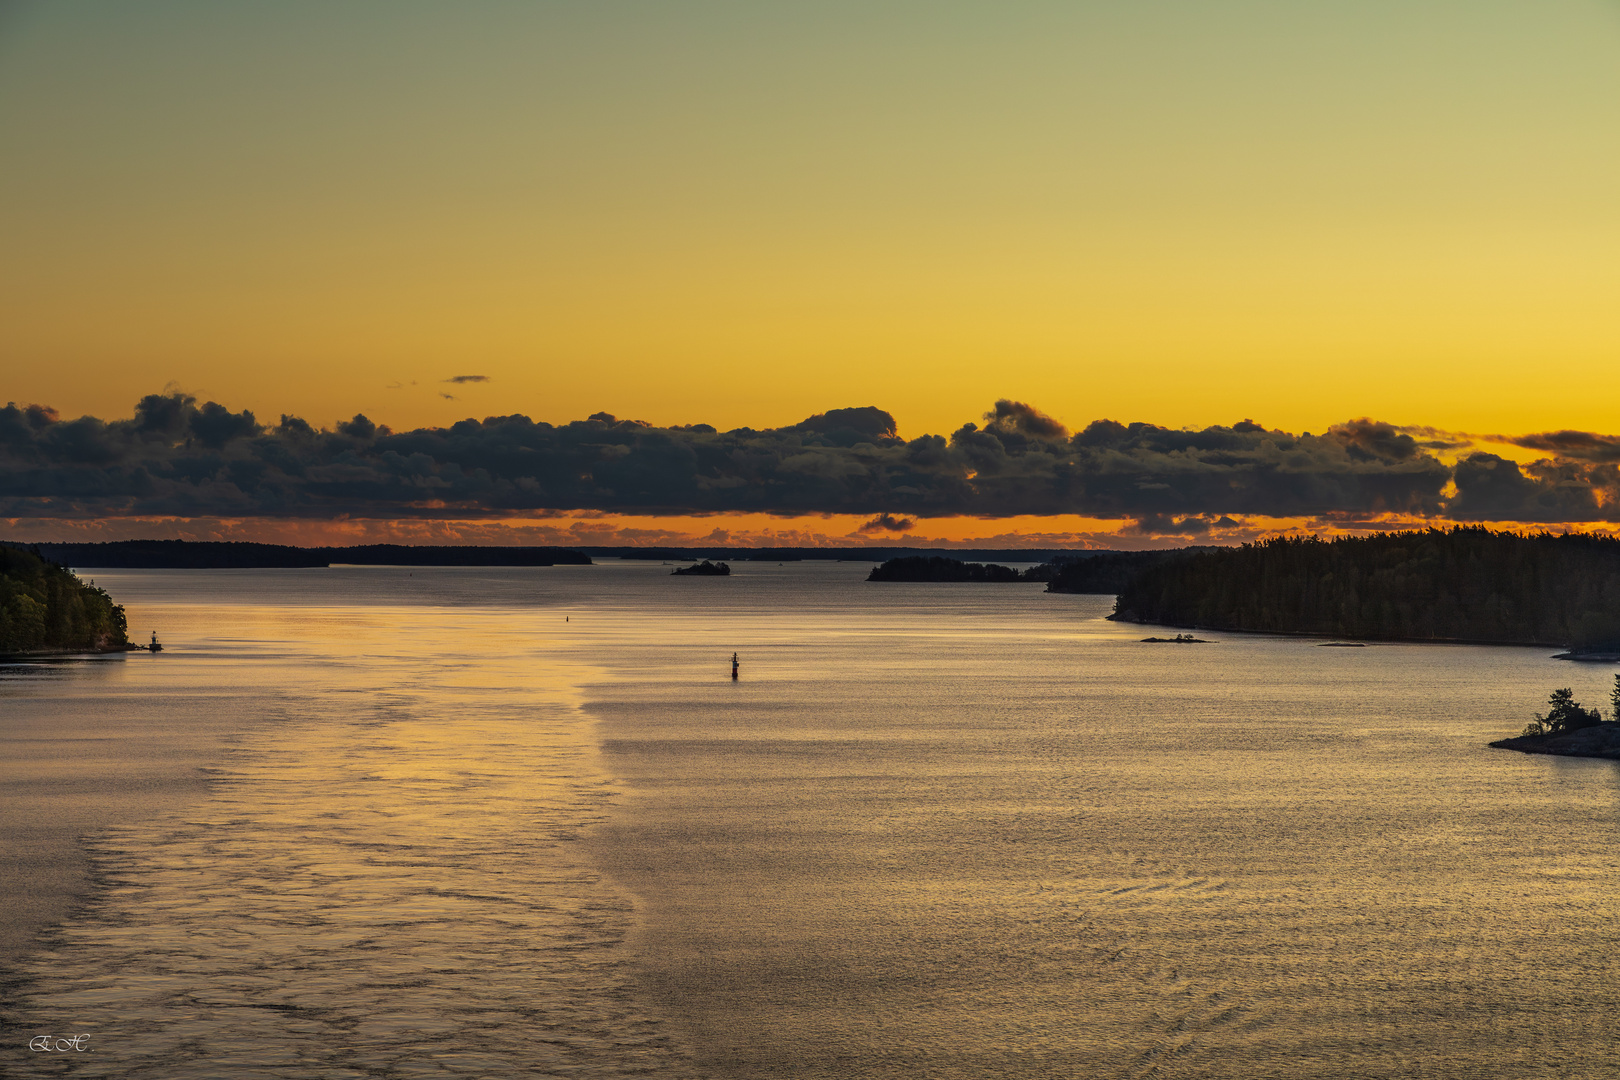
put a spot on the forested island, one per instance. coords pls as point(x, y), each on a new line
point(703, 569)
point(1064, 572)
point(1464, 584)
point(941, 568)
point(861, 553)
point(45, 609)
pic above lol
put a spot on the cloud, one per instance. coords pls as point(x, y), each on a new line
point(1111, 469)
point(176, 456)
point(1579, 445)
point(1433, 438)
point(849, 427)
point(1491, 488)
point(462, 379)
point(1191, 527)
point(1014, 418)
point(887, 523)
point(1373, 440)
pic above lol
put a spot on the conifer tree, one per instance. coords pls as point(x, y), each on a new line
point(1564, 713)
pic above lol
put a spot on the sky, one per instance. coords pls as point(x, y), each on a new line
point(1182, 214)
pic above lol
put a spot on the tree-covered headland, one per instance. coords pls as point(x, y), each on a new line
point(1108, 572)
point(1463, 584)
point(44, 607)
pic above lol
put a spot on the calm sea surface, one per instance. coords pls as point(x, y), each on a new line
point(378, 822)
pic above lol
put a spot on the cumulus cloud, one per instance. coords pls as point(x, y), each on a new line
point(176, 456)
point(462, 379)
point(1491, 488)
point(849, 427)
point(1014, 418)
point(887, 523)
point(1371, 440)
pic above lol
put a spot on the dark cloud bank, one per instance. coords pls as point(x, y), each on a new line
point(176, 457)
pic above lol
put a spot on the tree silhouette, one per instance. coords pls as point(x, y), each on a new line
point(1564, 713)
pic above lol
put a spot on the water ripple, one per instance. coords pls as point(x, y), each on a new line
point(358, 898)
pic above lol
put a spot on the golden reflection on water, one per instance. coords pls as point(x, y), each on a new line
point(942, 831)
point(385, 879)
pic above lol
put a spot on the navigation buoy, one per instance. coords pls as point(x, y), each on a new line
point(734, 666)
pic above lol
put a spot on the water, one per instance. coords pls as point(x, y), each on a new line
point(934, 831)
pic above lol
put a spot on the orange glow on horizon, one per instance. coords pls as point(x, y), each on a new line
point(736, 531)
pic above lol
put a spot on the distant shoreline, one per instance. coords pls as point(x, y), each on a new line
point(1345, 638)
point(246, 555)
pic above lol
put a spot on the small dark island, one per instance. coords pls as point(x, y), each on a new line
point(1179, 639)
point(45, 610)
point(703, 569)
point(1569, 730)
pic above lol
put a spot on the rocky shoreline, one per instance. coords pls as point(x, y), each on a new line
point(58, 654)
point(1598, 741)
